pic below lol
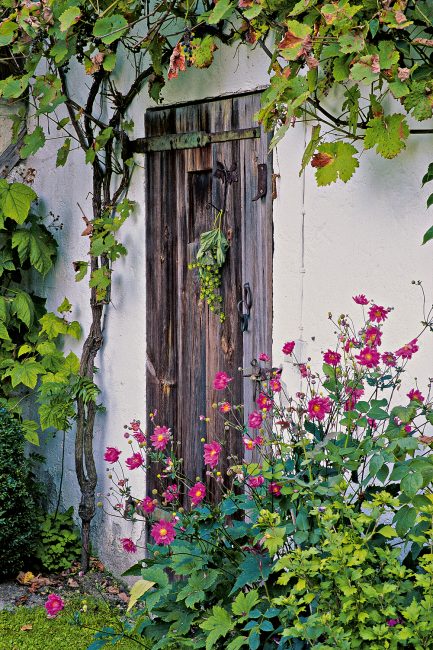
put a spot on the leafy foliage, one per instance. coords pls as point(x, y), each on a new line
point(18, 497)
point(59, 543)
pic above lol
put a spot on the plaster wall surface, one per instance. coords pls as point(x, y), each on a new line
point(330, 243)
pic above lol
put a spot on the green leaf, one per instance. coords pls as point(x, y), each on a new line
point(80, 270)
point(30, 429)
point(218, 625)
point(25, 372)
point(341, 163)
point(352, 42)
point(341, 68)
point(404, 519)
point(8, 30)
point(411, 483)
point(429, 234)
point(65, 306)
point(109, 62)
point(374, 26)
point(69, 18)
point(63, 153)
point(388, 55)
point(243, 603)
point(53, 326)
point(237, 643)
point(253, 11)
point(387, 134)
point(15, 200)
point(110, 28)
point(203, 49)
point(365, 69)
point(4, 334)
point(35, 244)
point(387, 531)
point(137, 590)
point(251, 570)
point(311, 147)
point(33, 142)
point(222, 10)
point(22, 305)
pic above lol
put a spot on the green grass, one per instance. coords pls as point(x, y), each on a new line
point(59, 633)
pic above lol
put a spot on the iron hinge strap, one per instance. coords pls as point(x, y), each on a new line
point(190, 140)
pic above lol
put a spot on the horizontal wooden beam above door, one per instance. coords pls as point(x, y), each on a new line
point(191, 140)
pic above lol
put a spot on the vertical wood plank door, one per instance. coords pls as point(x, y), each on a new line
point(186, 343)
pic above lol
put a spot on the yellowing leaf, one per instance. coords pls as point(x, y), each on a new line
point(388, 134)
point(138, 589)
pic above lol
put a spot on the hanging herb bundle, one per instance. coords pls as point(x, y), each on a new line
point(210, 259)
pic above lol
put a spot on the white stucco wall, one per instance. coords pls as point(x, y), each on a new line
point(363, 237)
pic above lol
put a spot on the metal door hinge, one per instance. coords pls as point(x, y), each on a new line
point(262, 181)
point(192, 140)
point(244, 307)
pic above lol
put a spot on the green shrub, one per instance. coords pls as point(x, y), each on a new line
point(18, 494)
point(59, 545)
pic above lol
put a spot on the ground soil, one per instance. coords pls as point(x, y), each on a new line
point(28, 590)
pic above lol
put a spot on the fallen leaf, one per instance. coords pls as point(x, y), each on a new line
point(26, 628)
point(73, 583)
point(113, 590)
point(25, 578)
point(124, 597)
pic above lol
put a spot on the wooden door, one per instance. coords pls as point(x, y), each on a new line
point(186, 343)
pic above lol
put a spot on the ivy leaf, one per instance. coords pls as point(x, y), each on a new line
point(218, 624)
point(35, 244)
point(203, 50)
point(221, 11)
point(15, 200)
point(110, 28)
point(387, 134)
point(137, 590)
point(22, 305)
point(69, 17)
point(334, 160)
point(63, 153)
point(33, 142)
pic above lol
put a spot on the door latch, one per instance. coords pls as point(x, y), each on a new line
point(262, 182)
point(244, 307)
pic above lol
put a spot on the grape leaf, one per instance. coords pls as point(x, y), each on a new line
point(342, 163)
point(110, 28)
point(35, 244)
point(419, 100)
point(294, 40)
point(7, 32)
point(15, 200)
point(33, 142)
point(69, 17)
point(221, 11)
point(204, 48)
point(387, 134)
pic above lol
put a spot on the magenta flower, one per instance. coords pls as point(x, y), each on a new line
point(275, 385)
point(148, 505)
point(373, 337)
point(171, 493)
point(318, 407)
point(415, 395)
point(258, 440)
point(274, 489)
point(248, 443)
point(255, 420)
point(332, 358)
point(394, 621)
point(264, 357)
point(353, 396)
point(112, 455)
point(378, 313)
point(135, 425)
point(408, 350)
point(255, 481)
point(135, 461)
point(264, 402)
point(160, 438)
point(163, 532)
point(389, 359)
point(303, 370)
point(221, 381)
point(225, 407)
point(197, 493)
point(128, 545)
point(368, 357)
point(140, 437)
point(360, 299)
point(212, 452)
point(288, 347)
point(54, 605)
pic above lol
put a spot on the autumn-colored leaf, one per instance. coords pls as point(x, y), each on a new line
point(25, 577)
point(26, 628)
point(320, 160)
